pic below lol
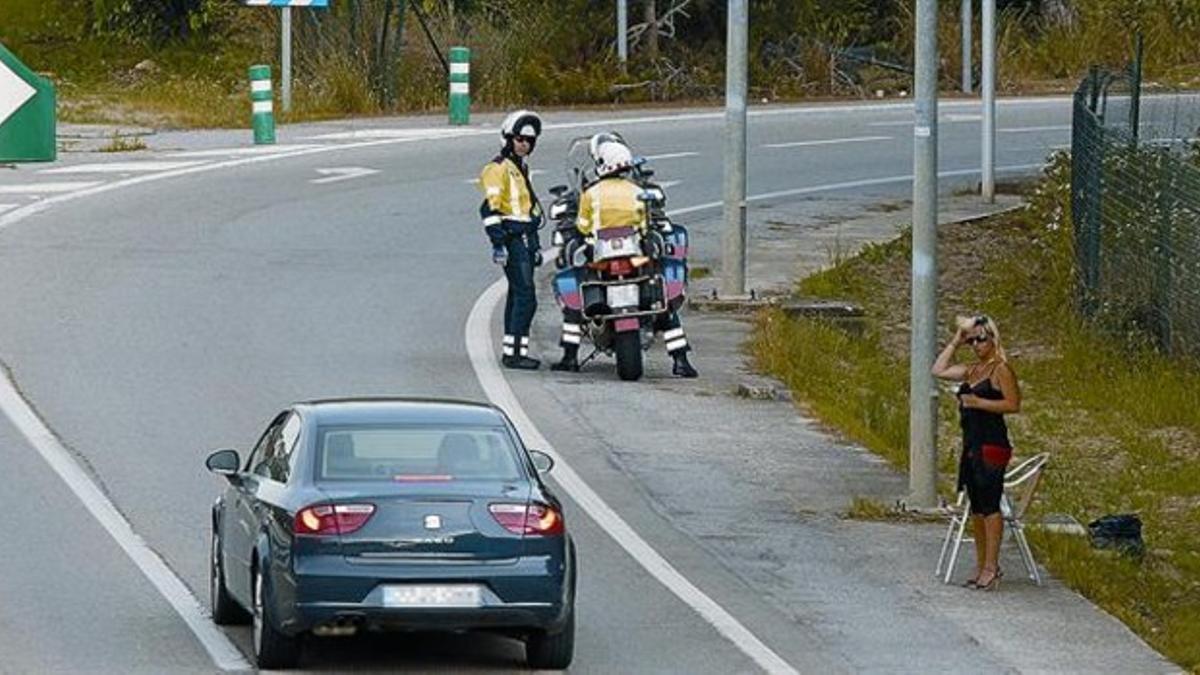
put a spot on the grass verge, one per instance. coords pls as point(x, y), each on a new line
point(1121, 422)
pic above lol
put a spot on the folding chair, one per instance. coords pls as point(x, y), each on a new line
point(1023, 478)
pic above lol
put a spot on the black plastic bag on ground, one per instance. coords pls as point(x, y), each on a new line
point(1121, 532)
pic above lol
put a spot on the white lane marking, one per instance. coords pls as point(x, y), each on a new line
point(120, 167)
point(341, 173)
point(962, 118)
point(16, 216)
point(42, 188)
point(26, 420)
point(388, 133)
point(1028, 130)
point(242, 152)
point(828, 141)
point(8, 207)
point(832, 187)
point(532, 172)
point(479, 346)
point(669, 183)
point(670, 155)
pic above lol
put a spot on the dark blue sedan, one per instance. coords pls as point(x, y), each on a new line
point(391, 514)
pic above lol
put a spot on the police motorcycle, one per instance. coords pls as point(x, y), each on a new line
point(621, 280)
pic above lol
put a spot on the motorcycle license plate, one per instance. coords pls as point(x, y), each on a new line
point(616, 247)
point(625, 295)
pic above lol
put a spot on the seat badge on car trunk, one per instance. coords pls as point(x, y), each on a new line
point(433, 522)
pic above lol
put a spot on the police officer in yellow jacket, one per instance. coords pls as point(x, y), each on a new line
point(612, 202)
point(511, 217)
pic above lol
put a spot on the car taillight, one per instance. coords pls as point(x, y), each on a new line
point(328, 519)
point(536, 519)
point(620, 267)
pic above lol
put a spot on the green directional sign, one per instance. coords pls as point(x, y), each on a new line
point(27, 115)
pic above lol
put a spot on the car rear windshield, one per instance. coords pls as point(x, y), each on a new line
point(415, 454)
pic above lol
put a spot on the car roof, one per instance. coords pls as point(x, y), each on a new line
point(351, 411)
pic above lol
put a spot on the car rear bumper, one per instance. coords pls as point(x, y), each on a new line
point(528, 593)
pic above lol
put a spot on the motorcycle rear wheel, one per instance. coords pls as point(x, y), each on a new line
point(628, 346)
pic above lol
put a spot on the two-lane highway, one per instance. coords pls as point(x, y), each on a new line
point(151, 322)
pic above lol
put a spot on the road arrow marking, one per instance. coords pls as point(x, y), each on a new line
point(337, 174)
point(14, 92)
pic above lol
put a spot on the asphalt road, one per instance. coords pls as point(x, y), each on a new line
point(150, 324)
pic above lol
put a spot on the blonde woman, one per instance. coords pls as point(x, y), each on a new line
point(988, 391)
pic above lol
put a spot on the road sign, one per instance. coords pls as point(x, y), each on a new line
point(27, 115)
point(287, 3)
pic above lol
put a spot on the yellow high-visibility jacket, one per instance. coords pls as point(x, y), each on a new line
point(611, 202)
point(507, 192)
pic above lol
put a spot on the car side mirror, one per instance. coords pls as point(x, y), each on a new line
point(541, 461)
point(224, 463)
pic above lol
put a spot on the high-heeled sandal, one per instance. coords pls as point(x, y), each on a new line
point(992, 584)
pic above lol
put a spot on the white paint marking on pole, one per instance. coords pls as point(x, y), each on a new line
point(239, 152)
point(1030, 130)
point(119, 167)
point(922, 132)
point(829, 141)
point(671, 155)
point(338, 174)
point(460, 87)
point(262, 107)
point(260, 85)
point(479, 347)
point(45, 188)
point(26, 420)
point(14, 92)
point(460, 68)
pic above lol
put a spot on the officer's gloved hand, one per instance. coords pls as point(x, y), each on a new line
point(499, 255)
point(537, 258)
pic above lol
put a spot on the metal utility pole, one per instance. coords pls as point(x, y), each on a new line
point(286, 57)
point(922, 437)
point(967, 45)
point(733, 243)
point(622, 31)
point(988, 184)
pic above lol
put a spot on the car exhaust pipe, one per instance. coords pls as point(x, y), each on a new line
point(343, 626)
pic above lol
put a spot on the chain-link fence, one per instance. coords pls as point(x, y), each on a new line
point(1136, 209)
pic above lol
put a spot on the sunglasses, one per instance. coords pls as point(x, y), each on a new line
point(978, 339)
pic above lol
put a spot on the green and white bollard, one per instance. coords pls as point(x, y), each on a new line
point(263, 117)
point(460, 85)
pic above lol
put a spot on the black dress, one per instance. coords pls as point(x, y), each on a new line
point(986, 450)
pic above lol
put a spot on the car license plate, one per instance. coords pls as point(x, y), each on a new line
point(625, 295)
point(461, 595)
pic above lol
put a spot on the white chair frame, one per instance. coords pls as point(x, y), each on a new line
point(1028, 471)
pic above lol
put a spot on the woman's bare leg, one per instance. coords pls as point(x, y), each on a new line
point(993, 526)
point(980, 535)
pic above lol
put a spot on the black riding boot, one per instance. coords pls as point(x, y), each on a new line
point(520, 363)
point(682, 367)
point(570, 359)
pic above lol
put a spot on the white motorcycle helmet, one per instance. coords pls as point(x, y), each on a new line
point(610, 154)
point(521, 123)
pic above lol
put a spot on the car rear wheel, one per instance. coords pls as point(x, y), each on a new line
point(272, 648)
point(552, 651)
point(225, 610)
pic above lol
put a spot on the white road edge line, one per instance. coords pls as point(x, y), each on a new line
point(223, 652)
point(828, 141)
point(14, 406)
point(1029, 130)
point(479, 347)
point(480, 343)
